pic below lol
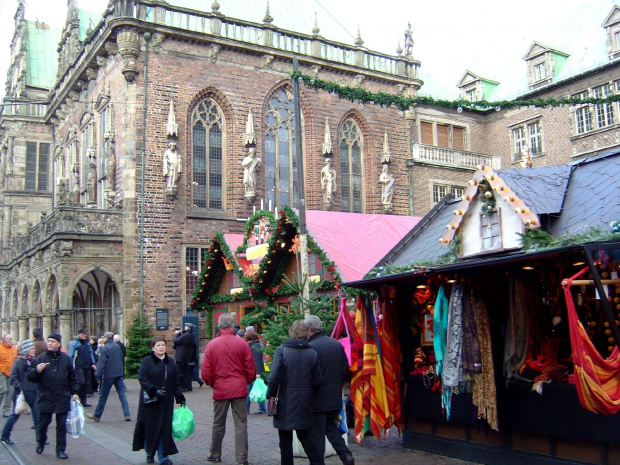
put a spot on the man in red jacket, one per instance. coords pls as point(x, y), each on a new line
point(228, 367)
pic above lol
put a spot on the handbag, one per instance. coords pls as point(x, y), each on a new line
point(272, 406)
point(345, 341)
point(272, 402)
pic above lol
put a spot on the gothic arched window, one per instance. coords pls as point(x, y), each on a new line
point(281, 175)
point(208, 128)
point(351, 155)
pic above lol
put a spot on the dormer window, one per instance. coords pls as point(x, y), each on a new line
point(540, 71)
point(612, 28)
point(471, 95)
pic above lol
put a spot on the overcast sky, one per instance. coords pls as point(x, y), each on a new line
point(450, 35)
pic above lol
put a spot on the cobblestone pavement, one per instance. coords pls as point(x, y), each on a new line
point(109, 442)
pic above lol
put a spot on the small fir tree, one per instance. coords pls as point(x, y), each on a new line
point(139, 337)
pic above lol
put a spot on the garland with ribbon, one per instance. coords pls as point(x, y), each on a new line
point(357, 94)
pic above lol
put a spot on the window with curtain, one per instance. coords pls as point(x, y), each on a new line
point(281, 175)
point(443, 135)
point(208, 129)
point(351, 156)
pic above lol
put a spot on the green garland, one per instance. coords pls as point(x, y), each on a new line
point(357, 94)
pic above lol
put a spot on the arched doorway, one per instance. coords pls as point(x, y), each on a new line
point(95, 302)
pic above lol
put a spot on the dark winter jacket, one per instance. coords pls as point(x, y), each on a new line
point(334, 371)
point(55, 384)
point(155, 420)
point(184, 346)
point(19, 381)
point(228, 366)
point(257, 347)
point(110, 363)
point(81, 353)
point(295, 372)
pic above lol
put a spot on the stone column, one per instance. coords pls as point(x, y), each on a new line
point(47, 326)
point(65, 329)
point(5, 327)
point(14, 329)
point(23, 328)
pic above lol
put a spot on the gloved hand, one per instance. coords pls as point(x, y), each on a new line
point(161, 394)
point(180, 399)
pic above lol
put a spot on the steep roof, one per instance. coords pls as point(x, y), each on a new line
point(541, 188)
point(582, 194)
point(593, 195)
point(356, 241)
point(42, 54)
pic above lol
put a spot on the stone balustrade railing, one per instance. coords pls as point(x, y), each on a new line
point(444, 156)
point(68, 220)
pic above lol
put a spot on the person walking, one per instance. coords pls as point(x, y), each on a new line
point(159, 379)
point(257, 346)
point(184, 347)
point(110, 373)
point(94, 385)
point(8, 354)
point(328, 397)
point(81, 353)
point(40, 345)
point(117, 340)
point(54, 376)
point(228, 367)
point(21, 384)
point(295, 373)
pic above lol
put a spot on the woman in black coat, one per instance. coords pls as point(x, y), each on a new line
point(159, 380)
point(295, 371)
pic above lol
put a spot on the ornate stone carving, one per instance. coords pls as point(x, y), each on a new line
point(248, 138)
point(387, 191)
point(251, 163)
point(172, 128)
point(328, 183)
point(111, 48)
point(385, 157)
point(129, 48)
point(359, 79)
point(267, 61)
point(101, 61)
point(314, 70)
point(327, 140)
point(214, 51)
point(157, 39)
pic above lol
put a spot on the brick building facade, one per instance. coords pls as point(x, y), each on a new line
point(92, 227)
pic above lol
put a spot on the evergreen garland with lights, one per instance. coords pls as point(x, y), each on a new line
point(357, 94)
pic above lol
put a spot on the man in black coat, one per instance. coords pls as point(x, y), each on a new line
point(185, 354)
point(327, 400)
point(55, 377)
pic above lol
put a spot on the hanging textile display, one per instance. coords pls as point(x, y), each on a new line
point(517, 328)
point(440, 327)
point(471, 347)
point(368, 384)
point(453, 357)
point(484, 395)
point(598, 379)
point(391, 360)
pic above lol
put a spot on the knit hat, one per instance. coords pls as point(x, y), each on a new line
point(26, 345)
point(55, 336)
point(82, 331)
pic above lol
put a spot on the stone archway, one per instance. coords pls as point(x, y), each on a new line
point(94, 301)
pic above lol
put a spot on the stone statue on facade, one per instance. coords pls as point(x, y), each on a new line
point(250, 165)
point(91, 186)
point(172, 167)
point(328, 183)
point(110, 167)
point(408, 40)
point(388, 188)
point(172, 128)
point(75, 185)
point(62, 193)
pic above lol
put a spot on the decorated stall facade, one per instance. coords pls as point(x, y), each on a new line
point(509, 353)
point(244, 274)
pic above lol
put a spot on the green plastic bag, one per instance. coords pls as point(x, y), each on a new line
point(257, 394)
point(183, 423)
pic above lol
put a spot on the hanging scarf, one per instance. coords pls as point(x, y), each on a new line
point(453, 358)
point(598, 379)
point(471, 348)
point(391, 360)
point(440, 327)
point(517, 328)
point(484, 395)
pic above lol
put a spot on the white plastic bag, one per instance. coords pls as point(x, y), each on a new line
point(75, 419)
point(21, 406)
